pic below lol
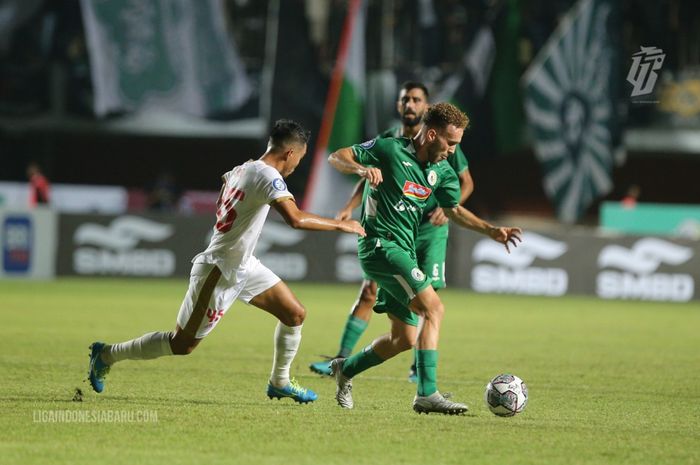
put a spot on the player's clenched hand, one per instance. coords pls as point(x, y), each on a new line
point(344, 214)
point(373, 175)
point(438, 217)
point(506, 236)
point(352, 226)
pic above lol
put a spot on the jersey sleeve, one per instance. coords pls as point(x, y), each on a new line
point(458, 161)
point(370, 153)
point(270, 186)
point(448, 192)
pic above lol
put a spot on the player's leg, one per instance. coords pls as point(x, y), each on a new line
point(355, 326)
point(398, 279)
point(267, 292)
point(195, 319)
point(428, 399)
point(401, 338)
point(359, 317)
point(431, 250)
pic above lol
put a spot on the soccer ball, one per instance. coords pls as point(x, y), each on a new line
point(506, 395)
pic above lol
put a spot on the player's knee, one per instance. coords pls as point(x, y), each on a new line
point(369, 293)
point(182, 348)
point(435, 311)
point(181, 345)
point(295, 316)
point(405, 342)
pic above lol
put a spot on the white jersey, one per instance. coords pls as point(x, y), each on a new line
point(241, 212)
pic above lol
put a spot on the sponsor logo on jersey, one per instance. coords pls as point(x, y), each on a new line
point(513, 273)
point(112, 249)
point(279, 184)
point(411, 189)
point(407, 163)
point(638, 278)
point(368, 144)
point(432, 177)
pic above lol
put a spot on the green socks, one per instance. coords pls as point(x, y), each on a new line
point(426, 367)
point(361, 361)
point(354, 328)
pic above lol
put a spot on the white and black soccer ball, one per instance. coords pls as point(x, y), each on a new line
point(506, 395)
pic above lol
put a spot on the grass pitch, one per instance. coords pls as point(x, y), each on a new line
point(610, 382)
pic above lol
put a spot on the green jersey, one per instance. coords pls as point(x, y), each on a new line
point(393, 210)
point(458, 162)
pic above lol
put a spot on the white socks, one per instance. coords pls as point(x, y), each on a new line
point(148, 346)
point(154, 345)
point(287, 340)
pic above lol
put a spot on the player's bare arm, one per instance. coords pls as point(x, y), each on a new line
point(466, 187)
point(507, 236)
point(299, 219)
point(344, 161)
point(353, 202)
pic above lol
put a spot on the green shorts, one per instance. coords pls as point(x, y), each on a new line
point(431, 250)
point(398, 279)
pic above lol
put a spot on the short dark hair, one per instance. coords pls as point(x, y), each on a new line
point(408, 85)
point(443, 114)
point(286, 131)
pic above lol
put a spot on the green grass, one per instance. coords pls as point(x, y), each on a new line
point(610, 382)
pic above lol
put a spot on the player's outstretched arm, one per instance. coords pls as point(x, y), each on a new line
point(344, 161)
point(466, 187)
point(505, 235)
point(299, 219)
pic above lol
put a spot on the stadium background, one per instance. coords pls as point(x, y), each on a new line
point(134, 108)
point(154, 138)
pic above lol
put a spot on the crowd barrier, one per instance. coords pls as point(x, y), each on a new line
point(546, 263)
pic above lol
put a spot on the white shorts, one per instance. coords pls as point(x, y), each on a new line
point(210, 294)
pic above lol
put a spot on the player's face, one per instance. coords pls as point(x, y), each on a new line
point(444, 142)
point(411, 106)
point(296, 153)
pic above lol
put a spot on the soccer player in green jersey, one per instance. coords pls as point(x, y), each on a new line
point(431, 242)
point(403, 174)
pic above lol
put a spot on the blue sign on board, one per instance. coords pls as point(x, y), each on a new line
point(17, 244)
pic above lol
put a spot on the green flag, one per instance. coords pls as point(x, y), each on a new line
point(569, 96)
point(172, 55)
point(343, 116)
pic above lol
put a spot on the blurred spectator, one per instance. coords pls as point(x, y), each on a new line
point(39, 186)
point(164, 193)
point(631, 197)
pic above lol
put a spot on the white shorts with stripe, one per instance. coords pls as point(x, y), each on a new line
point(210, 294)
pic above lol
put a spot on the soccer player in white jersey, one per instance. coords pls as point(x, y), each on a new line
point(227, 270)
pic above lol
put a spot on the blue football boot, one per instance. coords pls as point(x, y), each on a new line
point(292, 390)
point(98, 368)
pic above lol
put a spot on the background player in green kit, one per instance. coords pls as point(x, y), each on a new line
point(431, 243)
point(402, 175)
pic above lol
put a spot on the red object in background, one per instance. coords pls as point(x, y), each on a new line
point(629, 202)
point(38, 190)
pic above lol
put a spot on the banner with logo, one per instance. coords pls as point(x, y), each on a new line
point(128, 245)
point(546, 264)
point(162, 246)
point(169, 54)
point(570, 93)
point(28, 240)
